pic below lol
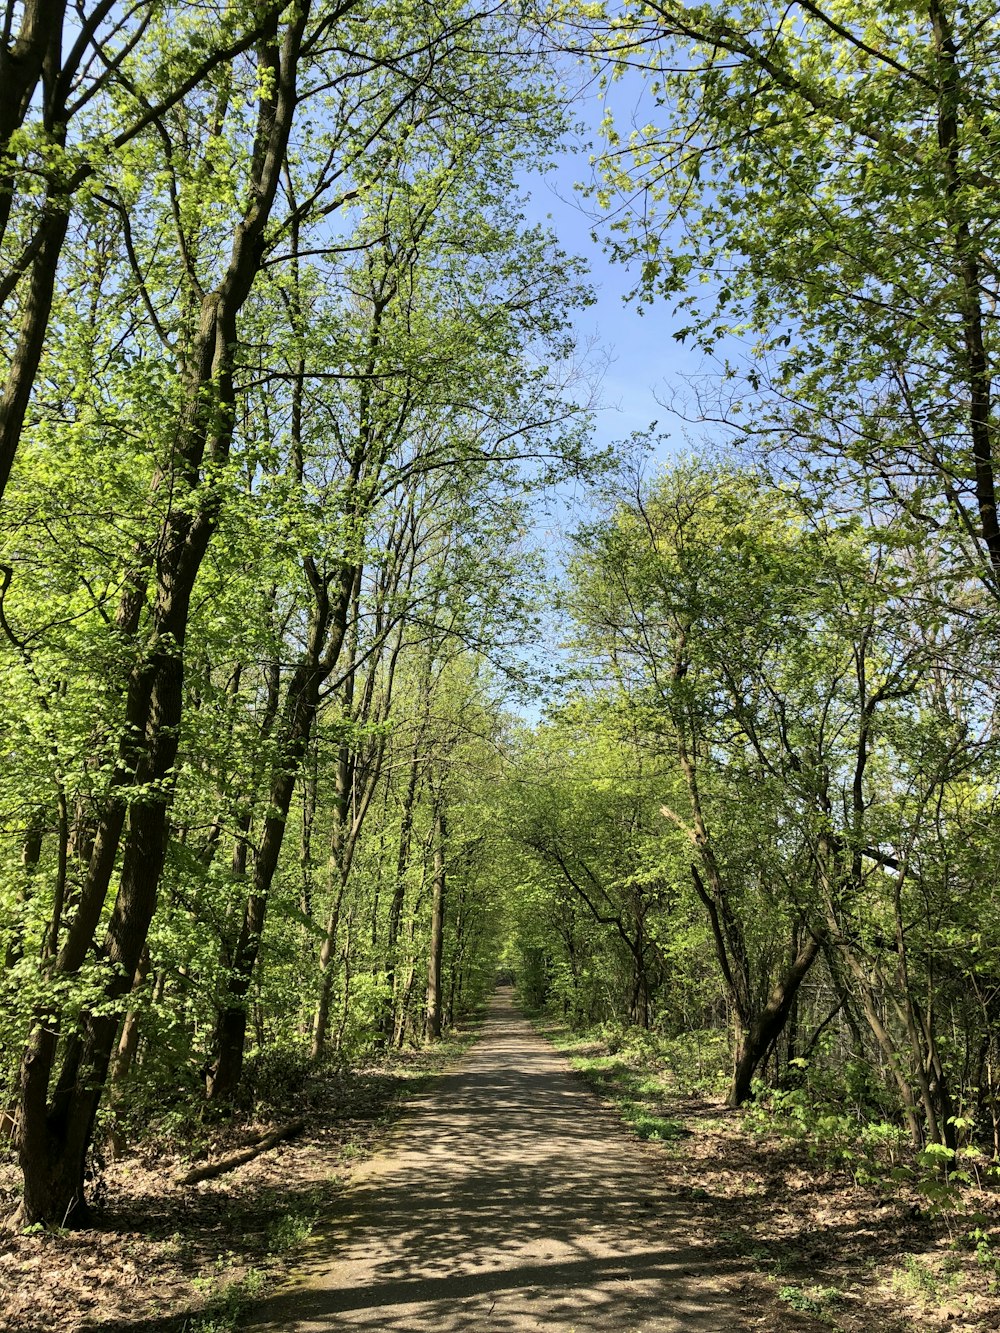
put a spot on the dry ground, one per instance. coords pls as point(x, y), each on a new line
point(509, 1197)
point(813, 1248)
point(169, 1256)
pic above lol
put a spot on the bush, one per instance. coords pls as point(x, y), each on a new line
point(276, 1077)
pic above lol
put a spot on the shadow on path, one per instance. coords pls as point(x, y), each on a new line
point(507, 1199)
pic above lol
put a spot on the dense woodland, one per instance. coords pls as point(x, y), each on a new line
point(304, 736)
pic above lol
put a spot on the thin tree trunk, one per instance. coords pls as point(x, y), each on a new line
point(31, 855)
point(326, 637)
point(321, 1017)
point(129, 1039)
point(433, 1025)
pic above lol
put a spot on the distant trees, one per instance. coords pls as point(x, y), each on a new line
point(600, 901)
point(785, 692)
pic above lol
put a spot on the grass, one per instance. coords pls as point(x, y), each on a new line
point(637, 1094)
point(931, 1283)
point(812, 1300)
point(225, 1310)
point(291, 1229)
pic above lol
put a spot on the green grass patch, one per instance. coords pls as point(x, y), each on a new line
point(692, 1063)
point(811, 1300)
point(648, 1125)
point(227, 1308)
point(918, 1279)
point(637, 1093)
point(291, 1230)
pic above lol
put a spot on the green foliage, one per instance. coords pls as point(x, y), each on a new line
point(812, 186)
point(637, 1094)
point(277, 1076)
point(300, 373)
point(268, 594)
point(227, 1309)
point(292, 1229)
point(927, 1281)
point(984, 1244)
point(813, 1300)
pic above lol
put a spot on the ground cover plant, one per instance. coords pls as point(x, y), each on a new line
point(838, 1225)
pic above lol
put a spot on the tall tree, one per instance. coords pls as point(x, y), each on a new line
point(687, 591)
point(828, 173)
point(54, 1136)
point(358, 179)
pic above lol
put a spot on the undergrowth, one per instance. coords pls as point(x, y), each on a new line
point(944, 1201)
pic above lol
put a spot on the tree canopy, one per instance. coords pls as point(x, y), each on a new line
point(287, 373)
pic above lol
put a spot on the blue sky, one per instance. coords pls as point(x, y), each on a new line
point(646, 367)
point(638, 345)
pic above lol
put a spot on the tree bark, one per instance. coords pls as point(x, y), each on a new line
point(128, 1042)
point(433, 1025)
point(757, 1038)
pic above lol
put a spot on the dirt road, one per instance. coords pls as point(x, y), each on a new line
point(508, 1199)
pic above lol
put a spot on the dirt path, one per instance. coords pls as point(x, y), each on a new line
point(508, 1199)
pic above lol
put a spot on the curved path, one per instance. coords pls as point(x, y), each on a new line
point(507, 1199)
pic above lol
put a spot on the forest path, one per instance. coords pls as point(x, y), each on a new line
point(508, 1199)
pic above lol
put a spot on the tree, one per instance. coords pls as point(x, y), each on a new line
point(792, 664)
point(829, 171)
point(690, 583)
point(331, 179)
point(439, 398)
point(70, 100)
point(54, 1136)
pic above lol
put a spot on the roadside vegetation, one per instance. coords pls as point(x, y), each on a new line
point(831, 1221)
point(178, 1256)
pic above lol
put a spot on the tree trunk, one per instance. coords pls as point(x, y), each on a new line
point(129, 1039)
point(433, 1025)
point(34, 57)
point(31, 340)
point(54, 1137)
point(54, 1141)
point(31, 855)
point(321, 1018)
point(399, 891)
point(756, 1039)
point(326, 636)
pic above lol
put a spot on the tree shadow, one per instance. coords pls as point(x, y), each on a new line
point(505, 1199)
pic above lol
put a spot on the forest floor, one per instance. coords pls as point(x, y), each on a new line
point(507, 1196)
point(191, 1258)
point(814, 1238)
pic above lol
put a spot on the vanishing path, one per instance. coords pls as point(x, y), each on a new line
point(508, 1199)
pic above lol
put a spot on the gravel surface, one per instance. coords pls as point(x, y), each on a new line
point(508, 1199)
